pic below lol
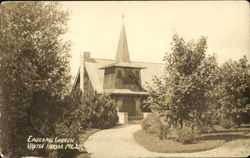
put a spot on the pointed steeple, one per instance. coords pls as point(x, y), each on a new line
point(122, 53)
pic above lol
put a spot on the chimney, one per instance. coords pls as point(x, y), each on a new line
point(86, 56)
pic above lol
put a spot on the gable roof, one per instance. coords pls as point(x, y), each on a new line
point(124, 91)
point(96, 75)
point(124, 64)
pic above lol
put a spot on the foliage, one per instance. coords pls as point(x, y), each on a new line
point(73, 112)
point(100, 111)
point(186, 135)
point(226, 123)
point(34, 74)
point(206, 129)
point(153, 125)
point(183, 93)
point(233, 91)
point(154, 144)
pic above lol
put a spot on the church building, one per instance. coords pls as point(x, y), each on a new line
point(121, 78)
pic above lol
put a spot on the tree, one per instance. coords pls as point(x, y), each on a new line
point(181, 94)
point(34, 71)
point(69, 122)
point(234, 98)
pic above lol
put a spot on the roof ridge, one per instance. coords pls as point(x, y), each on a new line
point(103, 59)
point(147, 62)
point(131, 61)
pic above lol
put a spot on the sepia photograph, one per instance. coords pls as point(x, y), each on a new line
point(124, 79)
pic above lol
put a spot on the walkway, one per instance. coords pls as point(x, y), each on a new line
point(119, 142)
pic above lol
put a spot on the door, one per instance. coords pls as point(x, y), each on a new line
point(129, 105)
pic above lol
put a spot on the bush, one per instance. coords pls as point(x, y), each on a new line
point(153, 125)
point(226, 123)
point(207, 129)
point(100, 111)
point(186, 135)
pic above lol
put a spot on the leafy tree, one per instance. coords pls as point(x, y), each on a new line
point(233, 91)
point(34, 71)
point(181, 95)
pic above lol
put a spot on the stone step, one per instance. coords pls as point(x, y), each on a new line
point(137, 117)
point(134, 121)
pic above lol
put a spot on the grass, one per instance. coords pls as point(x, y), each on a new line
point(205, 142)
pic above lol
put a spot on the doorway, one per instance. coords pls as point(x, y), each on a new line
point(129, 105)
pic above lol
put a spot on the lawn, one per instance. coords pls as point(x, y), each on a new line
point(205, 141)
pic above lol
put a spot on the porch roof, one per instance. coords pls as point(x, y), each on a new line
point(124, 92)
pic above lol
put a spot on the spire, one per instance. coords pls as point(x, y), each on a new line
point(122, 54)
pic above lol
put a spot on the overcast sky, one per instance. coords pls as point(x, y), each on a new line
point(95, 27)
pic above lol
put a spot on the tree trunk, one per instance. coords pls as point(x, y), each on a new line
point(181, 123)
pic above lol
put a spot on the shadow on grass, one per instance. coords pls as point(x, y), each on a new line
point(244, 126)
point(225, 137)
point(84, 155)
point(247, 126)
point(233, 131)
point(119, 126)
point(82, 132)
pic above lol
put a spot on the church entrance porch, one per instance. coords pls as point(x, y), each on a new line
point(129, 106)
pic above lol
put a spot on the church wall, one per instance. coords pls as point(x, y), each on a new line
point(118, 100)
point(125, 81)
point(138, 101)
point(109, 78)
point(77, 84)
point(87, 84)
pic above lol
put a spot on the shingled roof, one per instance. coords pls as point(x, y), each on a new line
point(96, 75)
point(124, 64)
point(95, 68)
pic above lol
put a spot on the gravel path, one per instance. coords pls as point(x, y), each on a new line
point(119, 142)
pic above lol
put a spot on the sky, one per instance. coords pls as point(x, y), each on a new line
point(150, 25)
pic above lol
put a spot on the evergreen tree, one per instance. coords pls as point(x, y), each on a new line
point(99, 110)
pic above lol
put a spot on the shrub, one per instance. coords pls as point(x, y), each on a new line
point(226, 123)
point(100, 111)
point(186, 135)
point(61, 153)
point(153, 125)
point(207, 129)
